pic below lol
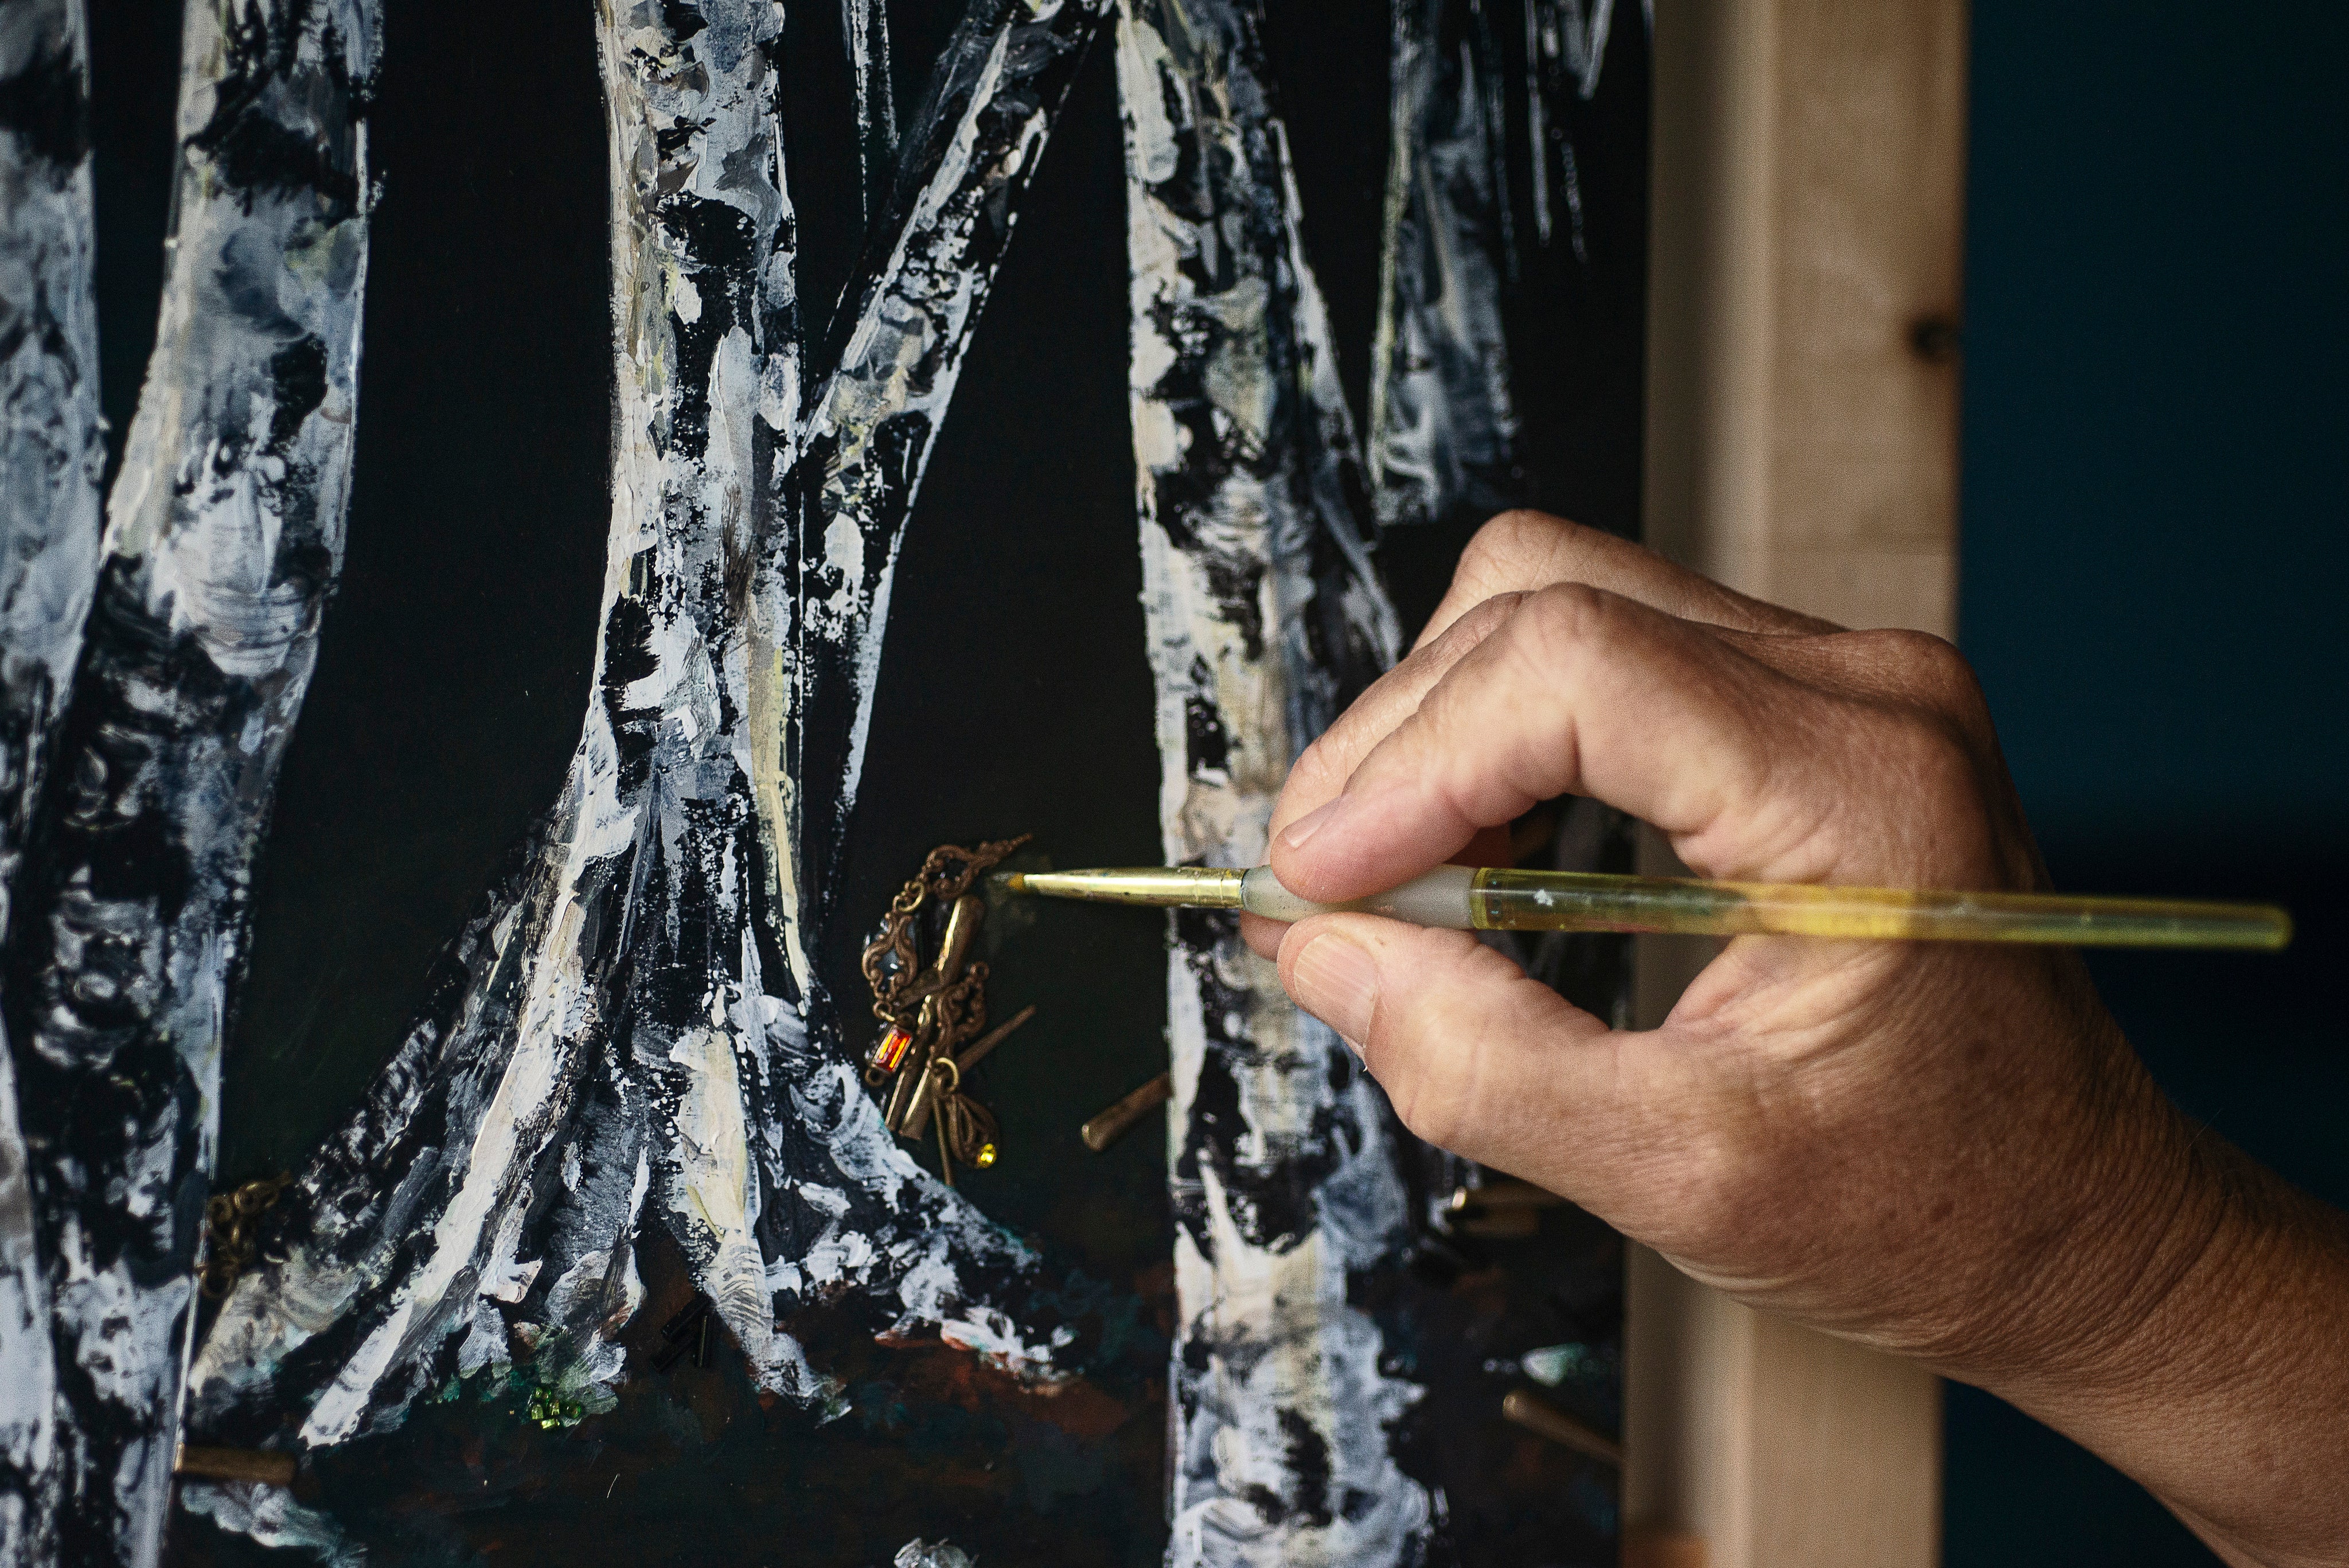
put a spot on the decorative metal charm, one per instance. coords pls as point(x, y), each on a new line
point(929, 1012)
point(230, 1222)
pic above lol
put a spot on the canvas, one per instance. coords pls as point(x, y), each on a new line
point(1028, 421)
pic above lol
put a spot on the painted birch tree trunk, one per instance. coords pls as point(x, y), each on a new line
point(634, 1032)
point(224, 537)
point(1443, 425)
point(565, 1014)
point(52, 449)
point(1263, 620)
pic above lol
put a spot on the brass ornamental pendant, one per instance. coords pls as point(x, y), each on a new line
point(930, 1011)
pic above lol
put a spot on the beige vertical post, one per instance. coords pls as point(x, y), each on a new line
point(1802, 446)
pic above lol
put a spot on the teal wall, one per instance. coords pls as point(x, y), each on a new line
point(2156, 549)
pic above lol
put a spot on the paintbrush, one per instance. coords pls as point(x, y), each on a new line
point(1463, 898)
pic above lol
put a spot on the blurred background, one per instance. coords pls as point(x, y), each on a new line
point(2155, 543)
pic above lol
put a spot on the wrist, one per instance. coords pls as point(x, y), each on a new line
point(2181, 1329)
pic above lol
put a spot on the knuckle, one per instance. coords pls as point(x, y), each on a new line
point(1926, 669)
point(1943, 824)
point(1511, 544)
point(1502, 541)
point(1561, 621)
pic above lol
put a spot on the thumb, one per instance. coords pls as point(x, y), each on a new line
point(1477, 1057)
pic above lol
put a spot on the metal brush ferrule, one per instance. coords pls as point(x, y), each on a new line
point(1156, 887)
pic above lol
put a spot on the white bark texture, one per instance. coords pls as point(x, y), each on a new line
point(51, 448)
point(1263, 619)
point(224, 538)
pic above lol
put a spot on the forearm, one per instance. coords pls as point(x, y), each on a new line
point(2211, 1361)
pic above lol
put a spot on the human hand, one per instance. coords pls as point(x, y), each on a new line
point(1943, 1150)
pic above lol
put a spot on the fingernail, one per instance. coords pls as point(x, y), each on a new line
point(1312, 822)
point(1338, 982)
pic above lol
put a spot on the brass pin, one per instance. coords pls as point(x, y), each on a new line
point(270, 1466)
point(917, 1105)
point(1114, 1123)
point(1504, 1194)
point(1501, 1211)
point(992, 1038)
point(1547, 1421)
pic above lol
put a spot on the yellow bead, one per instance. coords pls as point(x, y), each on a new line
point(986, 1156)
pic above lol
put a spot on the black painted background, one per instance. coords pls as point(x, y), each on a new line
point(1014, 697)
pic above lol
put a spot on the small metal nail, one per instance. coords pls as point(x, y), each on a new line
point(1547, 1421)
point(1114, 1123)
point(1503, 1194)
point(685, 1317)
point(992, 1038)
point(270, 1466)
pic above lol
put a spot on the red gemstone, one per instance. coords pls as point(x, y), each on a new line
point(891, 1050)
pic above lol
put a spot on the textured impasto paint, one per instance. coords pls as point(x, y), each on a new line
point(1443, 422)
point(224, 534)
point(1443, 425)
point(1262, 621)
point(630, 1035)
point(51, 451)
point(1566, 45)
point(866, 24)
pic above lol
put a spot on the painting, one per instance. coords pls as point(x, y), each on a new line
point(1019, 417)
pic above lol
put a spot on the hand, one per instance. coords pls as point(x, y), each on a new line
point(1947, 1151)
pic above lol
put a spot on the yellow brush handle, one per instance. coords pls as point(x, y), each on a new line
point(1584, 901)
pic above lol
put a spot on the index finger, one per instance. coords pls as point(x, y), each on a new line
point(1579, 692)
point(1521, 552)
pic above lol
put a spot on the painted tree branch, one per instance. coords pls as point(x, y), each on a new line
point(1263, 620)
point(858, 465)
point(625, 1035)
point(866, 24)
point(224, 537)
point(1443, 425)
point(52, 449)
point(1566, 45)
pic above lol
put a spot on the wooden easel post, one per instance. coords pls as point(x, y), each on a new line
point(1808, 198)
